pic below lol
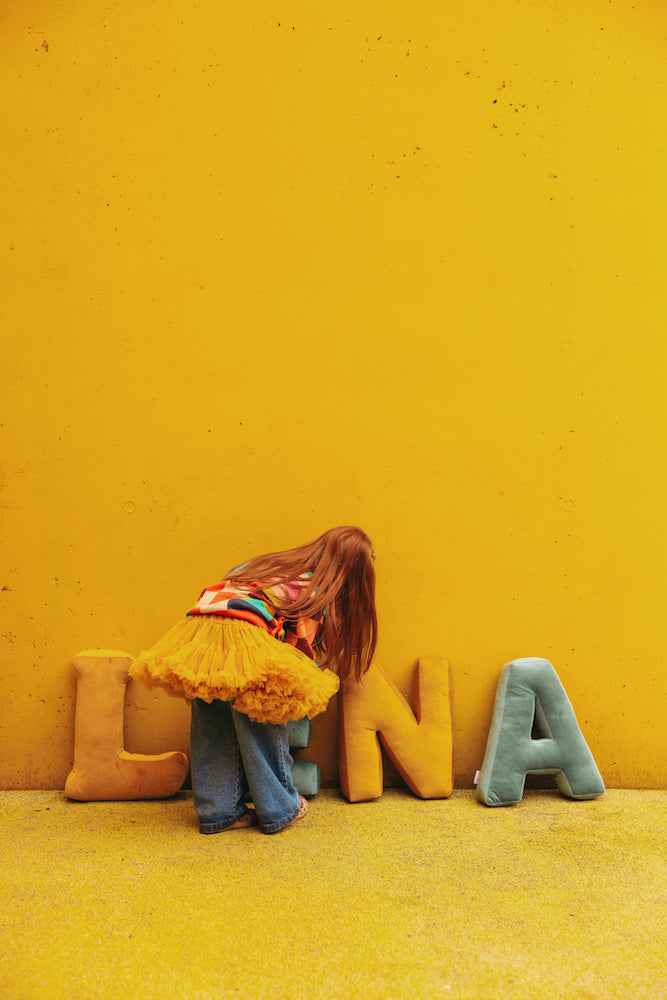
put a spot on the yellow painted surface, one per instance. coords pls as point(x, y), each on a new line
point(269, 269)
point(385, 900)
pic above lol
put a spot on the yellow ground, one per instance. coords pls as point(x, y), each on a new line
point(397, 898)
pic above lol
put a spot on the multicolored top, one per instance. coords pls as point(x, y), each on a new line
point(255, 603)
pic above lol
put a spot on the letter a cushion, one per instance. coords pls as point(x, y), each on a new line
point(529, 691)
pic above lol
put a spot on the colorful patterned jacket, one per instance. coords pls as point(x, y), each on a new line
point(254, 603)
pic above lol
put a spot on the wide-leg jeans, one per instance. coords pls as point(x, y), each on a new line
point(231, 756)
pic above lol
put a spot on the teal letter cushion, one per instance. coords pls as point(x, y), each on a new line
point(531, 695)
point(305, 773)
point(306, 777)
point(299, 733)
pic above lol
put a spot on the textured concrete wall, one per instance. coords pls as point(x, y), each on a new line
point(269, 269)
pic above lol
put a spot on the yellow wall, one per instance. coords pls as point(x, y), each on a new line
point(269, 268)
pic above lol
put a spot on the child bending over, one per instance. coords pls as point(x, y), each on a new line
point(245, 657)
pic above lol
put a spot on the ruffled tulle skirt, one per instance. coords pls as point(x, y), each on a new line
point(211, 657)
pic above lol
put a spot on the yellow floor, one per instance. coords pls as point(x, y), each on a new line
point(392, 899)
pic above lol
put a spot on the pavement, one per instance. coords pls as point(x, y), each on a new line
point(391, 899)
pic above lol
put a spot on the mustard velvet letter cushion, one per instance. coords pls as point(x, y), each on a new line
point(103, 770)
point(420, 748)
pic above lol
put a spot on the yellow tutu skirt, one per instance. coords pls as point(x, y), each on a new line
point(211, 657)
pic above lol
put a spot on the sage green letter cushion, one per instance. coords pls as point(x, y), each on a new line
point(306, 778)
point(530, 693)
point(299, 733)
point(305, 773)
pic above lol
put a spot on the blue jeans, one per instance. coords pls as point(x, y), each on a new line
point(231, 756)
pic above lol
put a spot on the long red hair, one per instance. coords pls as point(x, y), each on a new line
point(342, 586)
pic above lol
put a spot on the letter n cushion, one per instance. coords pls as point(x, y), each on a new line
point(530, 692)
point(420, 748)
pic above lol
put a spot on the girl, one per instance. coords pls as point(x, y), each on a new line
point(244, 655)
